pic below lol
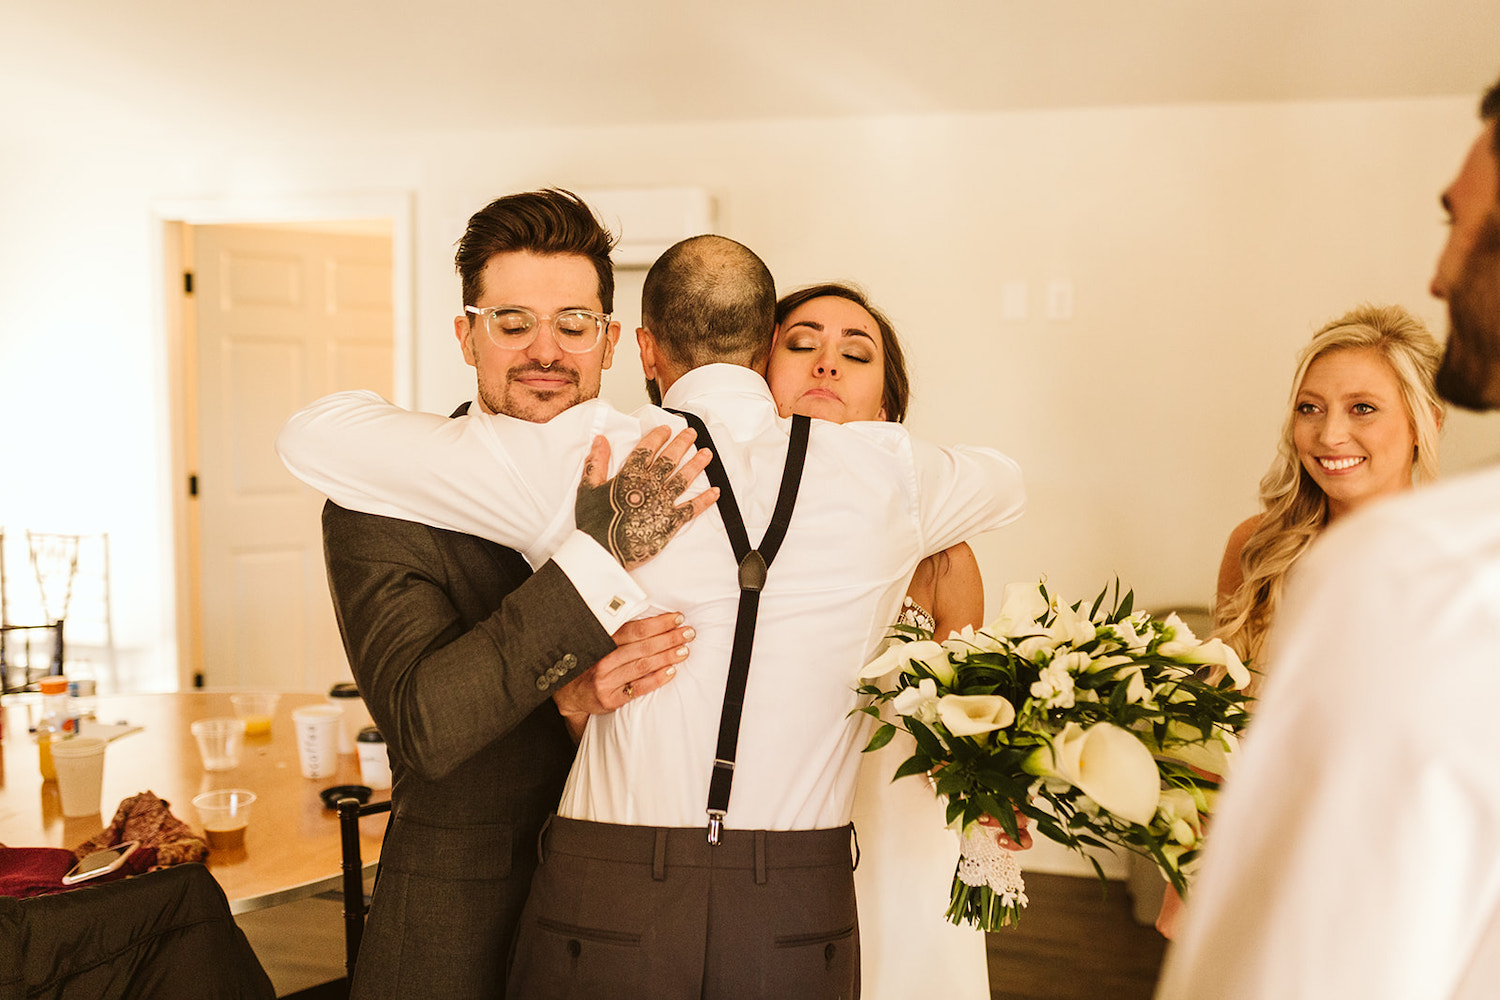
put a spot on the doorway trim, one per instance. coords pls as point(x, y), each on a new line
point(167, 218)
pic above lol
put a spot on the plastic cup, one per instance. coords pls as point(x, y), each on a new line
point(80, 774)
point(318, 739)
point(219, 742)
point(225, 814)
point(255, 709)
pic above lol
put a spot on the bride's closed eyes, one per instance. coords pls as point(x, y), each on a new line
point(856, 347)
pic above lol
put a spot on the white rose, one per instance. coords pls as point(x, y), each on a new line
point(919, 702)
point(1107, 764)
point(972, 714)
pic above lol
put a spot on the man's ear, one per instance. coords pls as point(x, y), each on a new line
point(464, 331)
point(611, 338)
point(646, 341)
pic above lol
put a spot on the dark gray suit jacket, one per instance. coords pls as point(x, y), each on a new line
point(457, 649)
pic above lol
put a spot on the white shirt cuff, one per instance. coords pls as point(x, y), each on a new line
point(601, 581)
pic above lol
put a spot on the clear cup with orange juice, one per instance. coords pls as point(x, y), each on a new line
point(255, 709)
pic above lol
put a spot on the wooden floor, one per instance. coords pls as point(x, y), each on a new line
point(1074, 943)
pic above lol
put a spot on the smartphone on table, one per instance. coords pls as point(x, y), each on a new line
point(100, 862)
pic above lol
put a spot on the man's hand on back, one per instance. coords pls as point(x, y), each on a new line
point(634, 514)
point(646, 657)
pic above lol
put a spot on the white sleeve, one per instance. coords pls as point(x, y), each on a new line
point(1356, 850)
point(369, 455)
point(964, 491)
point(601, 581)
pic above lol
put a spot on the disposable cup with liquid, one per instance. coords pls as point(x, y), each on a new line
point(225, 814)
point(255, 709)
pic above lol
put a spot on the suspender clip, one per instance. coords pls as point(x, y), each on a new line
point(715, 826)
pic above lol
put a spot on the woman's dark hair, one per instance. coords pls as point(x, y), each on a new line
point(897, 386)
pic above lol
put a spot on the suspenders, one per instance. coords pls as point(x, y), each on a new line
point(753, 565)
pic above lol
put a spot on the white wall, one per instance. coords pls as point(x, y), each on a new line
point(1203, 243)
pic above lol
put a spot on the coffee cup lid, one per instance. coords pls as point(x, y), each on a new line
point(369, 734)
point(344, 689)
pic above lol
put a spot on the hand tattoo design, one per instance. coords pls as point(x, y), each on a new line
point(634, 514)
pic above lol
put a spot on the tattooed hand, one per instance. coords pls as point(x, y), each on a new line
point(634, 514)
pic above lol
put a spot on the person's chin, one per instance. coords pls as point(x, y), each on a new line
point(539, 405)
point(821, 408)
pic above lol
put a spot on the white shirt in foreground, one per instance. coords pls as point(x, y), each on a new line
point(872, 504)
point(1356, 852)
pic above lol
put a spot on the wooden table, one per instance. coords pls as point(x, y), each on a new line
point(291, 848)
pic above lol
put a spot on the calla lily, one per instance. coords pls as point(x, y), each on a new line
point(1072, 627)
point(1215, 652)
point(899, 654)
point(1020, 607)
point(972, 714)
point(1107, 764)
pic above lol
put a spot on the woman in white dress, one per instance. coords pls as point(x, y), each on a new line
point(837, 357)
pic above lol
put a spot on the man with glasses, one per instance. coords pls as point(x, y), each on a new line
point(470, 664)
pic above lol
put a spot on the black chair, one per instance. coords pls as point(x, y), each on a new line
point(355, 906)
point(21, 646)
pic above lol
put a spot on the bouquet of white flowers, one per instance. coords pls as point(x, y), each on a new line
point(1097, 725)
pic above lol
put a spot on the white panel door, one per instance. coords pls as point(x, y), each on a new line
point(282, 318)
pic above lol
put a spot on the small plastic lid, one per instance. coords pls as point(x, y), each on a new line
point(369, 734)
point(53, 685)
point(344, 689)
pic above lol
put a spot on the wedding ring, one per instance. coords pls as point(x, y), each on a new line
point(629, 689)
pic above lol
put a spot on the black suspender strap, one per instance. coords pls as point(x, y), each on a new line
point(753, 564)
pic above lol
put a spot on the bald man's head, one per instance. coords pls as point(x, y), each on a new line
point(709, 299)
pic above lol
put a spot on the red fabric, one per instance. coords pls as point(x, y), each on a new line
point(38, 871)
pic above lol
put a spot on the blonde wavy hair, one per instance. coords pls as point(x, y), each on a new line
point(1294, 509)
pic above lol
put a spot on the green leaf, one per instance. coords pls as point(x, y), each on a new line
point(927, 740)
point(881, 737)
point(915, 764)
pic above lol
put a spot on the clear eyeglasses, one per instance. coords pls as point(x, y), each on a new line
point(515, 327)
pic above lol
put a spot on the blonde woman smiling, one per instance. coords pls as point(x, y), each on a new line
point(1363, 424)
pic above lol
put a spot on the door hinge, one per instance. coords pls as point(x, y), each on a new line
point(193, 485)
point(187, 282)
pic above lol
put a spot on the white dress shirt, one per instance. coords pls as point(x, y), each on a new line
point(873, 502)
point(1356, 852)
